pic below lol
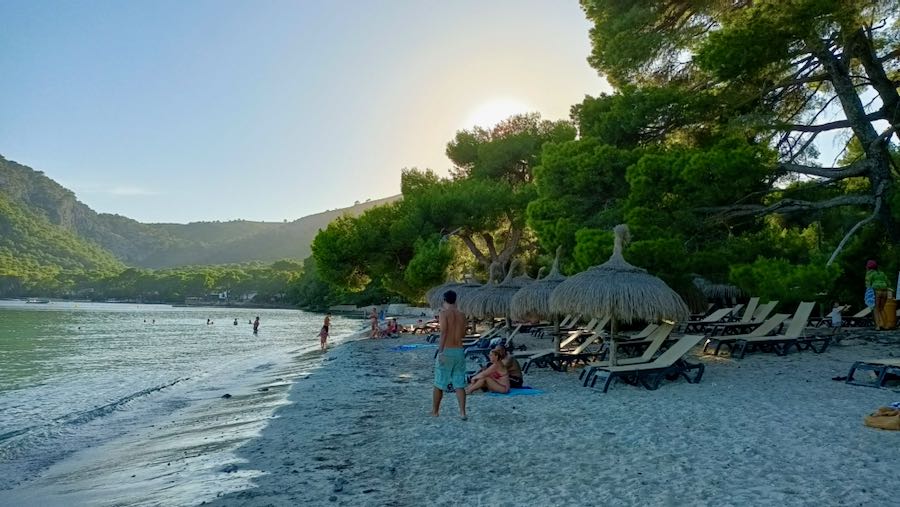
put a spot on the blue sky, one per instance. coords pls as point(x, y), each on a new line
point(270, 110)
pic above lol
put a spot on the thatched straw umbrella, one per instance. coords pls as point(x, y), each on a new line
point(717, 290)
point(435, 295)
point(619, 290)
point(494, 300)
point(534, 299)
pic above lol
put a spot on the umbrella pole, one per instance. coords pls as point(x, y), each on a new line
point(556, 334)
point(612, 341)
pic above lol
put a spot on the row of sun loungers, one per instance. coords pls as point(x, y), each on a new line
point(654, 354)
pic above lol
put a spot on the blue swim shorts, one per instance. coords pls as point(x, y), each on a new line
point(450, 370)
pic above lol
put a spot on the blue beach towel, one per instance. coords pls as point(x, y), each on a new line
point(524, 391)
point(414, 346)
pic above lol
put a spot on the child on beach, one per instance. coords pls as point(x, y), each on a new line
point(323, 334)
point(835, 315)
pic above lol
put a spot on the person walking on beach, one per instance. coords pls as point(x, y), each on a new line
point(450, 360)
point(256, 325)
point(877, 281)
point(323, 334)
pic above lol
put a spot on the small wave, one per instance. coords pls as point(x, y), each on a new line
point(76, 418)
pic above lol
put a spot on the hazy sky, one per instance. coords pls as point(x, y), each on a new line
point(268, 110)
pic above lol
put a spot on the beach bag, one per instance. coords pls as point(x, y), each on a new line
point(885, 418)
point(870, 297)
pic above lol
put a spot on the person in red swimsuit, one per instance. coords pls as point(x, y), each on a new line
point(494, 378)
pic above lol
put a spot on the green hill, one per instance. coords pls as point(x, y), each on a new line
point(127, 239)
point(36, 255)
point(163, 245)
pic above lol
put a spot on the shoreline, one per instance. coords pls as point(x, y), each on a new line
point(355, 429)
point(177, 444)
point(765, 430)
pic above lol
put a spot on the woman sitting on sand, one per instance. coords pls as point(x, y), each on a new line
point(494, 378)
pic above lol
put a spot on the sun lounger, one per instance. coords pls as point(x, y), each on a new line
point(595, 332)
point(881, 367)
point(863, 318)
point(826, 320)
point(763, 311)
point(740, 328)
point(656, 339)
point(568, 320)
point(575, 334)
point(699, 325)
point(643, 333)
point(792, 337)
point(748, 316)
point(650, 374)
point(567, 340)
point(484, 345)
point(558, 360)
point(771, 325)
point(698, 316)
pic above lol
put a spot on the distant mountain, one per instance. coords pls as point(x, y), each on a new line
point(164, 245)
point(238, 241)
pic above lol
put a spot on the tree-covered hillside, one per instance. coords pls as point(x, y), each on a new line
point(37, 256)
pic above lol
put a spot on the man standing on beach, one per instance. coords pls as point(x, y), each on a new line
point(450, 361)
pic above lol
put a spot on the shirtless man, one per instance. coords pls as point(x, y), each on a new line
point(450, 362)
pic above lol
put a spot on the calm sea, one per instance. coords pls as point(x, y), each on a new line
point(91, 394)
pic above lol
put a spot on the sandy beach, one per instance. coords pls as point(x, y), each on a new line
point(766, 430)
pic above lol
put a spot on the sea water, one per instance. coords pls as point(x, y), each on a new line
point(93, 396)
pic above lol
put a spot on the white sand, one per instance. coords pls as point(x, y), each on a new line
point(766, 430)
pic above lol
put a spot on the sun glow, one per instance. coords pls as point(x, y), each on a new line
point(492, 112)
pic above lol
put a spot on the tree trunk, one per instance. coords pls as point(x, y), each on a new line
point(875, 148)
point(491, 257)
point(863, 50)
